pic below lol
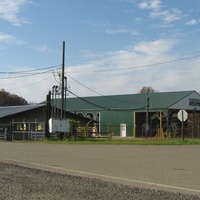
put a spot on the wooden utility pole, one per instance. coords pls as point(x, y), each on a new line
point(63, 84)
point(48, 115)
point(147, 119)
point(62, 87)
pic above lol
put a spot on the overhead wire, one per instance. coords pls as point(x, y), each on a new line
point(109, 97)
point(135, 67)
point(34, 72)
point(103, 107)
point(31, 83)
point(83, 85)
point(31, 70)
point(27, 73)
point(88, 101)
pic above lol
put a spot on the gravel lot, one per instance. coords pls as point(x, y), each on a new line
point(18, 182)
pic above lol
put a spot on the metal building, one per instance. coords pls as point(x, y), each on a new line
point(136, 115)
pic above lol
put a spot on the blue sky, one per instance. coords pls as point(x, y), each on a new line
point(112, 46)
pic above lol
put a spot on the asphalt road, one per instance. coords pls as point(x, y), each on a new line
point(168, 168)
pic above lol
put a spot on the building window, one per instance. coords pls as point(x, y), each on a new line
point(20, 127)
point(39, 127)
point(194, 102)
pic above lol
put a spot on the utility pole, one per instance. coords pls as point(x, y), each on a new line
point(62, 84)
point(147, 119)
point(48, 114)
point(62, 87)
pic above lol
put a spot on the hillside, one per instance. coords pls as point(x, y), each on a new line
point(7, 99)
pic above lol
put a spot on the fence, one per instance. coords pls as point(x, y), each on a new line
point(22, 131)
point(138, 131)
point(27, 135)
point(36, 131)
point(3, 134)
point(28, 130)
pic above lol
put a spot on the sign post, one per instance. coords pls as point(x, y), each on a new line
point(182, 116)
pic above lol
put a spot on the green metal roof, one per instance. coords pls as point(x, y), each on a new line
point(160, 100)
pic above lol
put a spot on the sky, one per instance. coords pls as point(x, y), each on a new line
point(111, 46)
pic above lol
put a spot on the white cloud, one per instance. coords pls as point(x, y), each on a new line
point(10, 10)
point(43, 48)
point(111, 29)
point(9, 39)
point(154, 47)
point(130, 69)
point(120, 30)
point(124, 71)
point(129, 1)
point(157, 12)
point(6, 38)
point(168, 16)
point(192, 22)
point(151, 4)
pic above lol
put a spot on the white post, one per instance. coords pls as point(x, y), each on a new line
point(5, 134)
point(23, 128)
point(134, 125)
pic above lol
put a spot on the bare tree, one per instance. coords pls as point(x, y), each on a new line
point(7, 99)
point(147, 89)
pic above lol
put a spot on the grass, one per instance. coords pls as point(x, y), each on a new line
point(125, 141)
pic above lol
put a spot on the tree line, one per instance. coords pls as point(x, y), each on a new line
point(8, 99)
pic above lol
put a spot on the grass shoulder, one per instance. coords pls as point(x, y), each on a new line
point(119, 141)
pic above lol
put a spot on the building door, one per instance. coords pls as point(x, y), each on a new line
point(139, 122)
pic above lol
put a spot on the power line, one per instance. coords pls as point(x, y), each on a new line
point(88, 101)
point(31, 83)
point(83, 85)
point(31, 70)
point(108, 97)
point(28, 73)
point(140, 66)
point(103, 107)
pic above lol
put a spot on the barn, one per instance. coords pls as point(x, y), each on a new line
point(134, 115)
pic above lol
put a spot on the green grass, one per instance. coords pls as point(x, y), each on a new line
point(149, 141)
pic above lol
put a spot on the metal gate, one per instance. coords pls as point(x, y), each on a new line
point(37, 135)
point(28, 130)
